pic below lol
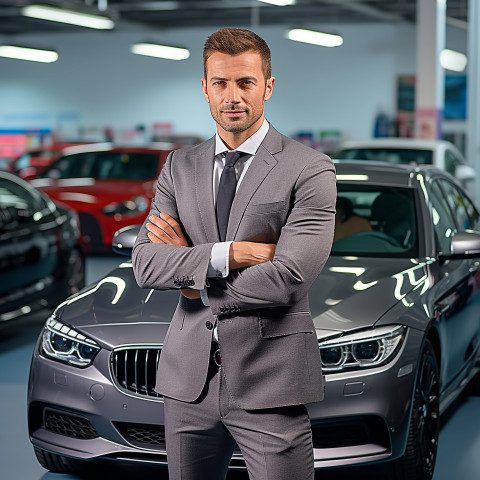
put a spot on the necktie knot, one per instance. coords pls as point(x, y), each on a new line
point(231, 158)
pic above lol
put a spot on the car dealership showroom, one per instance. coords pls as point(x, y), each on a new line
point(94, 97)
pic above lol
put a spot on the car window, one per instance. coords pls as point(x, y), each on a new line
point(105, 165)
point(451, 162)
point(390, 155)
point(375, 221)
point(444, 225)
point(17, 204)
point(466, 215)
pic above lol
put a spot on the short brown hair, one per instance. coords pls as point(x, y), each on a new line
point(234, 41)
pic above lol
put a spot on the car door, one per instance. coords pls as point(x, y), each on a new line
point(28, 242)
point(458, 305)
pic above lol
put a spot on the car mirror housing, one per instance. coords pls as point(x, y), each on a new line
point(464, 244)
point(124, 239)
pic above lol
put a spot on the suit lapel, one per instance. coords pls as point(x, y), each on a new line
point(261, 165)
point(204, 188)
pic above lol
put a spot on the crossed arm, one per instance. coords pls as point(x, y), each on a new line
point(165, 229)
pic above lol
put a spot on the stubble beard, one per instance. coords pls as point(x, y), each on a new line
point(238, 126)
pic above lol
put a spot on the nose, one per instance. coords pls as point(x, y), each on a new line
point(232, 93)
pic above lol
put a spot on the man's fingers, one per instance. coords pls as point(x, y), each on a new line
point(172, 223)
point(153, 238)
point(163, 225)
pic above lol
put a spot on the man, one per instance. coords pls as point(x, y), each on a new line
point(241, 357)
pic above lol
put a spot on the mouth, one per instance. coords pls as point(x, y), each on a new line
point(234, 112)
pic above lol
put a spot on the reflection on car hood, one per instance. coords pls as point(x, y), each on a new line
point(91, 190)
point(349, 294)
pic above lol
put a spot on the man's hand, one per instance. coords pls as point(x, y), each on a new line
point(247, 254)
point(165, 229)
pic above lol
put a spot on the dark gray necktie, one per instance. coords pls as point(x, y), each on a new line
point(226, 192)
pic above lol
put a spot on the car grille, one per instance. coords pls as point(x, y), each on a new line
point(143, 435)
point(350, 432)
point(68, 425)
point(135, 370)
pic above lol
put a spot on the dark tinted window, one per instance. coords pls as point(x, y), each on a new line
point(17, 204)
point(465, 213)
point(442, 218)
point(391, 155)
point(105, 165)
point(375, 221)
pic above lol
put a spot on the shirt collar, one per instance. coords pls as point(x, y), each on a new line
point(250, 145)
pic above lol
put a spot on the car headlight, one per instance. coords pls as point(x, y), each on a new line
point(65, 344)
point(129, 207)
point(368, 348)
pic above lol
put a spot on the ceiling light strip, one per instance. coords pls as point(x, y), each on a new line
point(160, 51)
point(30, 54)
point(315, 38)
point(71, 17)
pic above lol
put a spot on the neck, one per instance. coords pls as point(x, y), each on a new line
point(232, 140)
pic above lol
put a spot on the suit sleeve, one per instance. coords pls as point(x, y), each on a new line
point(161, 266)
point(302, 249)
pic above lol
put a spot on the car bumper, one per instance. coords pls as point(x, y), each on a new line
point(81, 413)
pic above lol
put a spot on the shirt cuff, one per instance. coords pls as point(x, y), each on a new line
point(219, 266)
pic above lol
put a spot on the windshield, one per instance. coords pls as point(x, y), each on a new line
point(375, 221)
point(390, 155)
point(105, 165)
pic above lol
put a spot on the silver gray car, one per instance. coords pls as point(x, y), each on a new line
point(397, 315)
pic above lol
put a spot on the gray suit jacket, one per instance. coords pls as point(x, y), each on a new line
point(269, 349)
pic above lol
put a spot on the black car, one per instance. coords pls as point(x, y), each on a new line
point(397, 317)
point(41, 262)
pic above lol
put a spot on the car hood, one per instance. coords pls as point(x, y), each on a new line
point(91, 191)
point(348, 295)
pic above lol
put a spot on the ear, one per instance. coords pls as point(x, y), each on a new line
point(269, 88)
point(204, 88)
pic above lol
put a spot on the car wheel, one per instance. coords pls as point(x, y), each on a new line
point(58, 463)
point(418, 461)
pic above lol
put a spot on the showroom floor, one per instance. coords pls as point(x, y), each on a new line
point(459, 450)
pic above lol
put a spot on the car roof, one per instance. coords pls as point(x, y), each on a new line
point(392, 142)
point(383, 173)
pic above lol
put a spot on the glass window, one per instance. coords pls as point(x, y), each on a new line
point(466, 215)
point(442, 217)
point(375, 221)
point(390, 155)
point(17, 204)
point(451, 162)
point(105, 165)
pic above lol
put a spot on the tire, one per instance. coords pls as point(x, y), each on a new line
point(418, 461)
point(58, 463)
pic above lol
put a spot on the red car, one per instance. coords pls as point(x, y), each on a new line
point(34, 160)
point(109, 188)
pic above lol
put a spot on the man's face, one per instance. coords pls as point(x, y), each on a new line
point(236, 90)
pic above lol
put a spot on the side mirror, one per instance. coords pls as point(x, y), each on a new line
point(124, 239)
point(464, 245)
point(464, 173)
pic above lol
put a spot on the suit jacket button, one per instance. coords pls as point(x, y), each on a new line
point(209, 324)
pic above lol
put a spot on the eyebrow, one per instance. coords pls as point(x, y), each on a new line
point(239, 80)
